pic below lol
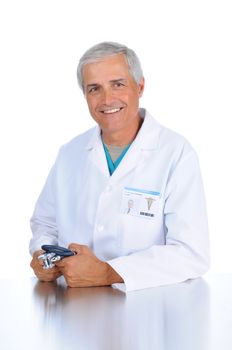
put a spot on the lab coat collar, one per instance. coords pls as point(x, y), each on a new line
point(146, 140)
point(147, 137)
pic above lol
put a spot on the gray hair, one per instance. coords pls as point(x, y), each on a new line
point(108, 48)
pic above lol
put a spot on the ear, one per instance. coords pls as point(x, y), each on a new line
point(141, 86)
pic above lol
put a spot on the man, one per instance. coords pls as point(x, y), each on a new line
point(127, 158)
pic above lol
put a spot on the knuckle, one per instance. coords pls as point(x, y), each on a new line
point(69, 275)
point(73, 246)
point(71, 284)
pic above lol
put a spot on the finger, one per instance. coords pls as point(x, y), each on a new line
point(48, 277)
point(51, 270)
point(64, 262)
point(49, 273)
point(40, 262)
point(35, 261)
point(77, 248)
point(38, 253)
point(60, 264)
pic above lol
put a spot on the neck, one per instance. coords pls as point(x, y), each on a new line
point(122, 137)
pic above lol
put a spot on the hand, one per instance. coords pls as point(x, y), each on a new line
point(42, 274)
point(85, 270)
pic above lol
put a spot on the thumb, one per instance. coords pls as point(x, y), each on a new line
point(77, 248)
point(37, 253)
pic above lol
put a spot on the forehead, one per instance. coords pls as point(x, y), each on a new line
point(108, 68)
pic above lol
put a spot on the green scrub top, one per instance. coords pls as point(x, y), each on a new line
point(113, 165)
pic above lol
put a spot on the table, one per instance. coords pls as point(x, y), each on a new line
point(193, 315)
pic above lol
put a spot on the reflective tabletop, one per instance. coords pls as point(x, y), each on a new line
point(193, 315)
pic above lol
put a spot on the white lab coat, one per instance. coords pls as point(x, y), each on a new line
point(82, 203)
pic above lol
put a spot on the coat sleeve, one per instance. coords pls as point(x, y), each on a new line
point(185, 254)
point(43, 221)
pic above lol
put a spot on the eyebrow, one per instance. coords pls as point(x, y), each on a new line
point(118, 80)
point(111, 81)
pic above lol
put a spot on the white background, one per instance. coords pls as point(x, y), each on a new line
point(186, 53)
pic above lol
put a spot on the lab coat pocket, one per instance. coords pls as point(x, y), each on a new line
point(137, 233)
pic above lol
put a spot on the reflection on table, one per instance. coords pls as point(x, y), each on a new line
point(52, 316)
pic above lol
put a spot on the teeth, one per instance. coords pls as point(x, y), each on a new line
point(112, 110)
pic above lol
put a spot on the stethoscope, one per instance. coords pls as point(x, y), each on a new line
point(52, 254)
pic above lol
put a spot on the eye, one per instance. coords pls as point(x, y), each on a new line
point(118, 84)
point(93, 89)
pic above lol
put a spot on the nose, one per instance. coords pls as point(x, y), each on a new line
point(107, 96)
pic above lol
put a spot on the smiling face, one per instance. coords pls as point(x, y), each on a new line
point(113, 98)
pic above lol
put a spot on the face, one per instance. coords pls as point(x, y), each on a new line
point(112, 95)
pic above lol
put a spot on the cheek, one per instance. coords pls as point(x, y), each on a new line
point(91, 104)
point(133, 100)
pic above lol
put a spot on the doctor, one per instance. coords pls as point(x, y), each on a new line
point(126, 195)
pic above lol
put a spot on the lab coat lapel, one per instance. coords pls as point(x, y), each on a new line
point(145, 142)
point(96, 152)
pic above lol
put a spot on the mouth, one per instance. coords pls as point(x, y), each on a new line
point(111, 110)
